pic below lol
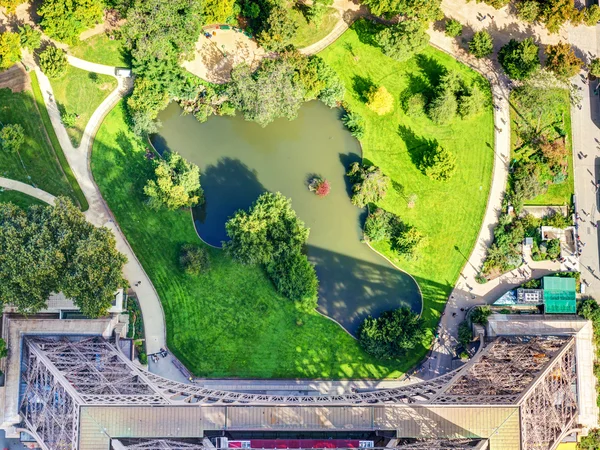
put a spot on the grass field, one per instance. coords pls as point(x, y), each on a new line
point(309, 33)
point(448, 213)
point(100, 49)
point(81, 92)
point(36, 163)
point(557, 194)
point(229, 322)
point(19, 199)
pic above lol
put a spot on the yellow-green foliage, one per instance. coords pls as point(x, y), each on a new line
point(379, 100)
point(10, 49)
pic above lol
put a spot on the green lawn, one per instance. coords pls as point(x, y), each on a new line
point(100, 49)
point(448, 213)
point(81, 92)
point(230, 322)
point(19, 199)
point(309, 33)
point(557, 194)
point(36, 163)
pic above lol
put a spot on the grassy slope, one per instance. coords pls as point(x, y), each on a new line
point(229, 322)
point(78, 93)
point(449, 214)
point(19, 199)
point(37, 153)
point(100, 49)
point(557, 194)
point(309, 33)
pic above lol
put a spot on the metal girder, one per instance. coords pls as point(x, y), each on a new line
point(160, 444)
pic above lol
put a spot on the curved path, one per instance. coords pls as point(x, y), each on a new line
point(13, 185)
point(98, 213)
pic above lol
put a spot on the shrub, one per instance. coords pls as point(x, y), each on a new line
point(465, 335)
point(438, 163)
point(369, 184)
point(30, 38)
point(471, 103)
point(480, 315)
point(194, 259)
point(392, 334)
point(482, 44)
point(528, 10)
point(381, 225)
point(519, 59)
point(453, 28)
point(553, 249)
point(12, 137)
point(415, 105)
point(10, 49)
point(595, 67)
point(53, 62)
point(562, 61)
point(379, 100)
point(68, 119)
point(295, 278)
point(319, 186)
point(176, 183)
point(355, 124)
point(402, 41)
point(443, 108)
point(143, 357)
point(408, 241)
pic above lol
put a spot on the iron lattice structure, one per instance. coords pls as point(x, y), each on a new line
point(61, 375)
point(160, 444)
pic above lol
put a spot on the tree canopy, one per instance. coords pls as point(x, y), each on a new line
point(369, 184)
point(402, 41)
point(30, 38)
point(53, 62)
point(64, 20)
point(12, 137)
point(10, 49)
point(562, 61)
point(176, 183)
point(54, 249)
point(11, 5)
point(379, 100)
point(438, 163)
point(424, 10)
point(392, 334)
point(519, 59)
point(482, 44)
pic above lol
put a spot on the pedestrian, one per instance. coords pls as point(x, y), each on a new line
point(594, 224)
point(583, 244)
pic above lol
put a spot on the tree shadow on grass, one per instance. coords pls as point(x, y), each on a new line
point(431, 68)
point(362, 85)
point(417, 84)
point(366, 31)
point(417, 146)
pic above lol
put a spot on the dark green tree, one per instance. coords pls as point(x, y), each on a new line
point(401, 42)
point(595, 67)
point(53, 62)
point(424, 10)
point(295, 278)
point(355, 123)
point(392, 334)
point(482, 44)
point(65, 20)
point(30, 38)
point(528, 10)
point(443, 107)
point(519, 59)
point(176, 183)
point(278, 29)
point(438, 163)
point(381, 225)
point(591, 441)
point(408, 241)
point(480, 315)
point(471, 103)
point(453, 28)
point(369, 184)
point(12, 137)
point(465, 335)
point(194, 259)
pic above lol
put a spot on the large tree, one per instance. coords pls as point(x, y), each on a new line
point(424, 10)
point(54, 249)
point(438, 163)
point(11, 5)
point(10, 49)
point(519, 59)
point(563, 61)
point(392, 334)
point(12, 137)
point(482, 44)
point(176, 183)
point(64, 20)
point(278, 29)
point(401, 42)
point(30, 38)
point(53, 62)
point(369, 184)
point(218, 11)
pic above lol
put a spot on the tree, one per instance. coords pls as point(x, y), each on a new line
point(272, 91)
point(278, 30)
point(482, 44)
point(519, 59)
point(471, 103)
point(424, 10)
point(194, 259)
point(465, 335)
point(382, 225)
point(54, 249)
point(595, 67)
point(528, 10)
point(453, 28)
point(443, 107)
point(401, 42)
point(408, 241)
point(65, 20)
point(355, 123)
point(480, 315)
point(10, 5)
point(146, 101)
point(12, 137)
point(30, 38)
point(218, 11)
point(68, 118)
point(415, 105)
point(591, 441)
point(556, 13)
point(10, 49)
point(392, 334)
point(438, 163)
point(591, 15)
point(53, 62)
point(267, 232)
point(369, 184)
point(176, 183)
point(379, 100)
point(562, 61)
point(295, 278)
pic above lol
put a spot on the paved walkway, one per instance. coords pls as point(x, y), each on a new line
point(13, 185)
point(98, 213)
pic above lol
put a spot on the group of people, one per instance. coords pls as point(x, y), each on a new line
point(155, 356)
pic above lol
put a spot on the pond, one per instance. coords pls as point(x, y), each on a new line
point(240, 160)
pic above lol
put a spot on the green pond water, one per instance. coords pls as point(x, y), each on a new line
point(240, 160)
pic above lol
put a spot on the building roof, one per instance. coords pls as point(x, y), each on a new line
point(559, 295)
